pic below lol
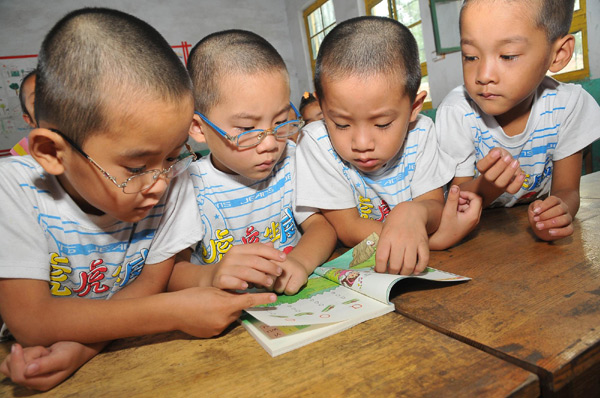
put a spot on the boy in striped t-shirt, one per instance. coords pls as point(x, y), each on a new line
point(253, 231)
point(517, 134)
point(374, 158)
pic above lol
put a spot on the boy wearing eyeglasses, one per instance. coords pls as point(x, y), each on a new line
point(96, 212)
point(245, 187)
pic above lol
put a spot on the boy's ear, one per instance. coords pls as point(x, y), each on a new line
point(562, 52)
point(196, 131)
point(417, 105)
point(48, 149)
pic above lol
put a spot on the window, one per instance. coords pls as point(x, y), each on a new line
point(578, 68)
point(407, 12)
point(319, 19)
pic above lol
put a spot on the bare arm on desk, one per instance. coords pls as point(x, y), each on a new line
point(36, 318)
point(42, 367)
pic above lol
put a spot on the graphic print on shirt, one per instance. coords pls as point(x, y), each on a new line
point(99, 279)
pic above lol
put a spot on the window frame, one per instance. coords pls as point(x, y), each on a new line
point(369, 4)
point(307, 11)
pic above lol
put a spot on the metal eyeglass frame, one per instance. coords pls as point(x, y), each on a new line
point(235, 139)
point(156, 173)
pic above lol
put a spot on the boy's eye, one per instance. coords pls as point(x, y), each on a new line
point(383, 126)
point(242, 129)
point(509, 57)
point(468, 58)
point(341, 126)
point(135, 170)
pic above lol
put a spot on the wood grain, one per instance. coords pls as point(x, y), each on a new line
point(387, 356)
point(534, 303)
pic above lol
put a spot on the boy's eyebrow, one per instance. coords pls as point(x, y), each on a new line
point(508, 40)
point(245, 115)
point(140, 153)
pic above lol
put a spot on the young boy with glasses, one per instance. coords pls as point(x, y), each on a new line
point(96, 212)
point(245, 187)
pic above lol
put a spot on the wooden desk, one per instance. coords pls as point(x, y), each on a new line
point(388, 356)
point(533, 303)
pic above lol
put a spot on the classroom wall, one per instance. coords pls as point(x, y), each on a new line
point(24, 23)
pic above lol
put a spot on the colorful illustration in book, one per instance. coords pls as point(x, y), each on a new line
point(363, 254)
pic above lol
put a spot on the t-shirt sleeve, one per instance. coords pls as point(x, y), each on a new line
point(454, 133)
point(580, 125)
point(23, 250)
point(180, 226)
point(433, 168)
point(320, 181)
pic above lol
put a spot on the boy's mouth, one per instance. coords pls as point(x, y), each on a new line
point(366, 163)
point(265, 165)
point(488, 95)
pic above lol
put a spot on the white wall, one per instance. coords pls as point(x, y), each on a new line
point(280, 21)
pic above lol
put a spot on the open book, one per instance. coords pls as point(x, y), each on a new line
point(338, 295)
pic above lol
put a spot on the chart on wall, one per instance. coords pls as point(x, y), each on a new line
point(12, 69)
point(12, 125)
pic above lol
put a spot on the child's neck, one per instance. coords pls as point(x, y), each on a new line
point(514, 121)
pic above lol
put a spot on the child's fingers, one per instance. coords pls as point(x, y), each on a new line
point(489, 160)
point(555, 222)
point(382, 256)
point(452, 201)
point(423, 258)
point(515, 185)
point(16, 364)
point(507, 175)
point(558, 233)
point(538, 207)
point(247, 300)
point(262, 250)
point(397, 260)
point(553, 212)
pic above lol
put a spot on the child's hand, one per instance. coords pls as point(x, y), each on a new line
point(500, 169)
point(403, 246)
point(248, 264)
point(41, 368)
point(207, 311)
point(550, 219)
point(294, 276)
point(460, 215)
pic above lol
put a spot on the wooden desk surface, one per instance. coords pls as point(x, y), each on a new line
point(388, 356)
point(534, 303)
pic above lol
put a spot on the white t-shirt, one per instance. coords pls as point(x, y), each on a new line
point(326, 181)
point(237, 210)
point(46, 236)
point(564, 119)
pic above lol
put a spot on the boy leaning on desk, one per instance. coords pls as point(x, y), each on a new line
point(516, 133)
point(93, 209)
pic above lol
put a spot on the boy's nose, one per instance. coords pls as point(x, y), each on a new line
point(362, 141)
point(159, 187)
point(486, 72)
point(268, 144)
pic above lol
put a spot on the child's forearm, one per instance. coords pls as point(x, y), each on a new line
point(317, 243)
point(186, 275)
point(350, 228)
point(43, 320)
